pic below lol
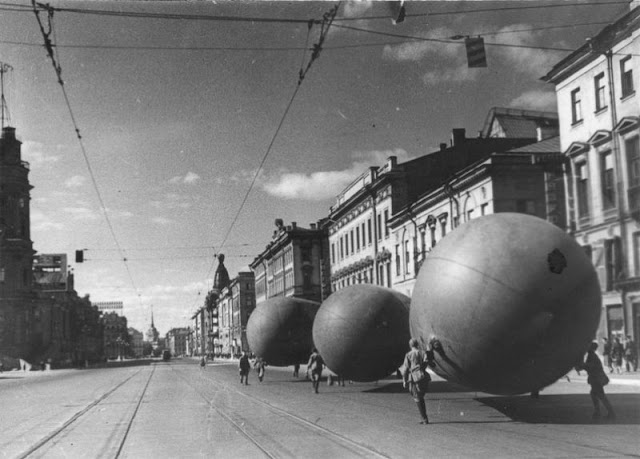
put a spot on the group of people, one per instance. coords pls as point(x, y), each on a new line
point(244, 367)
point(619, 356)
point(416, 378)
point(315, 366)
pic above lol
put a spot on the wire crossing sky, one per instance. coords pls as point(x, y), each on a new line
point(192, 144)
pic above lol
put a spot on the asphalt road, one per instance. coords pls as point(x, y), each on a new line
point(176, 409)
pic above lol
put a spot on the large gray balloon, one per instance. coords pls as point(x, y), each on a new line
point(362, 331)
point(512, 300)
point(279, 330)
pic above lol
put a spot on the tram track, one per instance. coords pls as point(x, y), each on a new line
point(68, 426)
point(220, 400)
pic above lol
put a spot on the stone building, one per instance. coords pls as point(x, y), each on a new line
point(137, 342)
point(177, 341)
point(527, 179)
point(293, 264)
point(362, 248)
point(116, 336)
point(235, 305)
point(18, 303)
point(596, 88)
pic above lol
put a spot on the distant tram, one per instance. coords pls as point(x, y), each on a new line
point(166, 355)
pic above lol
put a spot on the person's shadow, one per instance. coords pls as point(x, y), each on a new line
point(564, 409)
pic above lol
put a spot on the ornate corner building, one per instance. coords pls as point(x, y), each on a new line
point(18, 303)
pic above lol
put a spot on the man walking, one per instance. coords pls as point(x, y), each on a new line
point(415, 376)
point(314, 368)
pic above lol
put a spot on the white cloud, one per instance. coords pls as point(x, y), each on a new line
point(355, 8)
point(190, 177)
point(447, 62)
point(75, 182)
point(423, 50)
point(42, 222)
point(34, 153)
point(536, 100)
point(519, 57)
point(318, 186)
point(161, 221)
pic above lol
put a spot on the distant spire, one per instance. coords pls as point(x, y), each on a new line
point(152, 316)
point(4, 68)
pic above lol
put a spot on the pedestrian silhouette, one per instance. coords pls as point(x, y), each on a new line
point(597, 379)
point(314, 368)
point(416, 378)
point(260, 365)
point(244, 366)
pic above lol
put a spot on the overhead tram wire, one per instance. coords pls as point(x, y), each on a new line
point(408, 39)
point(200, 17)
point(317, 48)
point(49, 46)
point(456, 41)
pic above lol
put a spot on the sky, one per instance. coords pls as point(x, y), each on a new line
point(194, 134)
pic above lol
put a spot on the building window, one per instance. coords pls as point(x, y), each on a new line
point(469, 215)
point(582, 185)
point(576, 106)
point(598, 83)
point(346, 245)
point(483, 209)
point(386, 219)
point(358, 238)
point(612, 259)
point(608, 184)
point(632, 147)
point(626, 76)
point(341, 248)
point(379, 235)
point(636, 253)
point(432, 231)
point(407, 257)
point(333, 253)
point(398, 263)
point(353, 246)
point(363, 235)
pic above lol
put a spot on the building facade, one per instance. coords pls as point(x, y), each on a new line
point(116, 336)
point(528, 180)
point(362, 247)
point(596, 87)
point(18, 304)
point(136, 338)
point(294, 264)
point(235, 305)
point(177, 341)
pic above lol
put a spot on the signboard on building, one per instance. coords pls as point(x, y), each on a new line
point(109, 306)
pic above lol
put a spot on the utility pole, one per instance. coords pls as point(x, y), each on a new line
point(4, 68)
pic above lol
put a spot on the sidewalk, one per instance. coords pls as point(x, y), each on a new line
point(623, 379)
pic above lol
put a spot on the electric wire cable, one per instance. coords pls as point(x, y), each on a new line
point(58, 70)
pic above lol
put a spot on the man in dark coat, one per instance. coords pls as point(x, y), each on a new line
point(244, 366)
